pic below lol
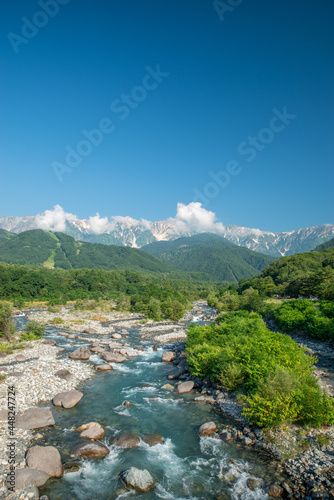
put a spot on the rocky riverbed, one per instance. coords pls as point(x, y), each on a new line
point(303, 460)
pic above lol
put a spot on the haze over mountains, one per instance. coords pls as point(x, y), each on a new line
point(190, 219)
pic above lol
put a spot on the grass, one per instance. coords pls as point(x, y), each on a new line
point(2, 377)
point(50, 261)
point(323, 439)
point(99, 317)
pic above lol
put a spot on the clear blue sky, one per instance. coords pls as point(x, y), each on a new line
point(225, 78)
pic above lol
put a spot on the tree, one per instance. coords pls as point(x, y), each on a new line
point(7, 326)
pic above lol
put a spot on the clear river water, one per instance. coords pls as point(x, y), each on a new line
point(185, 466)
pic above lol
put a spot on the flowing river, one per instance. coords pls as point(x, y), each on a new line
point(185, 466)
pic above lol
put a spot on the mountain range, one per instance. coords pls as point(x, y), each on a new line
point(125, 231)
point(205, 257)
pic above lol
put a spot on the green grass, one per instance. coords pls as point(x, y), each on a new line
point(50, 262)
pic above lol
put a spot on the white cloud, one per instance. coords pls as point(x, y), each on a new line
point(194, 218)
point(98, 225)
point(54, 220)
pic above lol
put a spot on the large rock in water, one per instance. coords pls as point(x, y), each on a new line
point(67, 399)
point(115, 345)
point(110, 357)
point(81, 353)
point(207, 429)
point(185, 387)
point(34, 418)
point(27, 477)
point(91, 450)
point(104, 368)
point(168, 356)
point(127, 441)
point(153, 439)
point(46, 459)
point(95, 432)
point(140, 480)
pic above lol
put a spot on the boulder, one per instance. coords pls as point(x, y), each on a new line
point(110, 357)
point(94, 433)
point(46, 459)
point(98, 350)
point(168, 356)
point(91, 450)
point(90, 331)
point(88, 426)
point(124, 332)
point(139, 348)
point(27, 477)
point(114, 345)
point(96, 343)
point(275, 491)
point(168, 387)
point(140, 480)
point(154, 348)
point(34, 418)
point(116, 336)
point(153, 439)
point(207, 429)
point(126, 441)
point(71, 337)
point(65, 374)
point(104, 368)
point(49, 342)
point(67, 399)
point(185, 387)
point(21, 358)
point(124, 352)
point(81, 353)
point(253, 483)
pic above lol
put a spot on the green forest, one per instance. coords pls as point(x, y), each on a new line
point(210, 254)
point(150, 294)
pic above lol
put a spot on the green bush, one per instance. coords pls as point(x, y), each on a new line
point(57, 321)
point(232, 377)
point(276, 376)
point(33, 331)
point(305, 315)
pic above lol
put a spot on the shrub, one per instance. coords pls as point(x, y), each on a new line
point(7, 326)
point(54, 309)
point(33, 331)
point(270, 412)
point(232, 377)
point(275, 374)
point(57, 321)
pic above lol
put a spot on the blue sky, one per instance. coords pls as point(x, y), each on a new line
point(225, 74)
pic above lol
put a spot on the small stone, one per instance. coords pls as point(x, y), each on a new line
point(275, 491)
point(254, 483)
point(64, 374)
point(20, 358)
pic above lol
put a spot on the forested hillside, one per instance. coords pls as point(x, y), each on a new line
point(210, 254)
point(37, 247)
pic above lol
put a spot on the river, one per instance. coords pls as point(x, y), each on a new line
point(185, 466)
